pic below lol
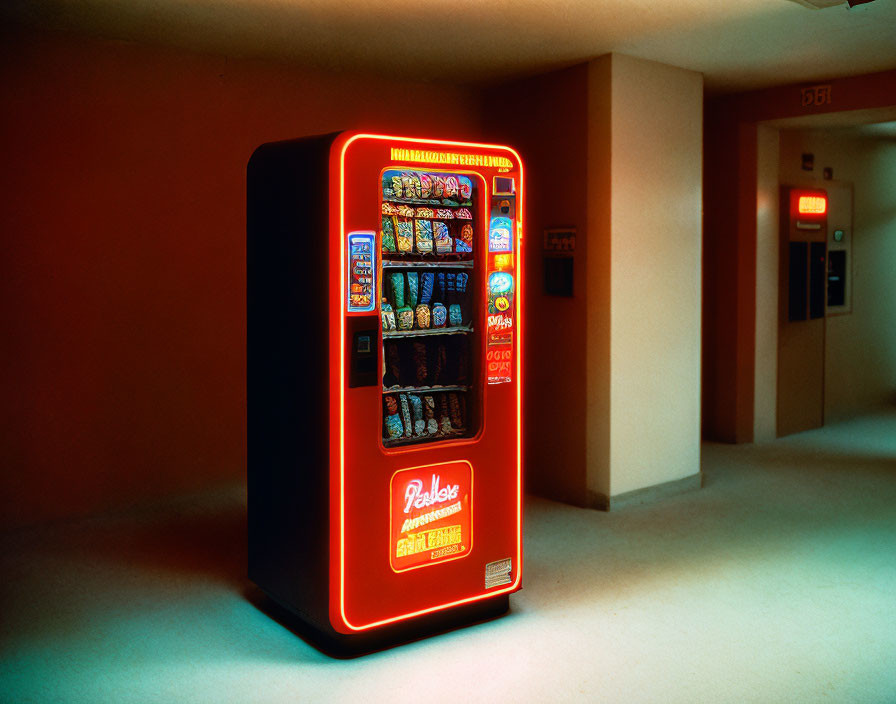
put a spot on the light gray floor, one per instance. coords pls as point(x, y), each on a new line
point(774, 583)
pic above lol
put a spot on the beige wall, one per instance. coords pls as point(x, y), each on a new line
point(654, 248)
point(860, 347)
point(765, 414)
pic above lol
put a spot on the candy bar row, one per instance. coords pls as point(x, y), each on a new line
point(409, 211)
point(433, 299)
point(423, 415)
point(426, 362)
point(416, 185)
point(422, 236)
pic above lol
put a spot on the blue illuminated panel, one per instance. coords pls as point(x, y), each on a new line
point(361, 272)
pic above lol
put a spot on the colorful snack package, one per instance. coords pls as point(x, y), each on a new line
point(439, 315)
point(454, 412)
point(420, 370)
point(463, 214)
point(407, 185)
point(424, 236)
point(417, 413)
point(444, 419)
point(423, 316)
point(413, 288)
point(465, 188)
point(387, 315)
point(406, 211)
point(461, 287)
point(396, 280)
point(444, 214)
point(425, 186)
point(387, 234)
point(397, 186)
point(404, 318)
point(405, 414)
point(424, 213)
point(464, 243)
point(390, 208)
point(418, 188)
point(429, 414)
point(438, 186)
point(442, 237)
point(449, 287)
point(454, 317)
point(394, 428)
point(404, 233)
point(427, 280)
point(451, 186)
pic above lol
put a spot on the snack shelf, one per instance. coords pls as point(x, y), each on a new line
point(420, 332)
point(448, 264)
point(455, 433)
point(423, 389)
point(431, 203)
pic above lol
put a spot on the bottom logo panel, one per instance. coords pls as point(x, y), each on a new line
point(431, 514)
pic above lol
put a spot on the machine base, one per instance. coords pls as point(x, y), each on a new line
point(340, 645)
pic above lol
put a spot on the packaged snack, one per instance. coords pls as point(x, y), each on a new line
point(454, 316)
point(427, 279)
point(396, 281)
point(463, 214)
point(425, 186)
point(397, 186)
point(449, 286)
point(417, 414)
point(420, 371)
point(404, 235)
point(439, 315)
point(393, 426)
point(454, 412)
point(424, 213)
point(444, 419)
point(461, 287)
point(424, 236)
point(404, 318)
point(406, 211)
point(429, 414)
point(407, 185)
point(442, 238)
point(464, 243)
point(444, 213)
point(390, 208)
point(387, 315)
point(405, 414)
point(465, 188)
point(413, 287)
point(424, 317)
point(451, 186)
point(438, 186)
point(418, 189)
point(387, 236)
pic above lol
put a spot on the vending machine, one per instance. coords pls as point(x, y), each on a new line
point(384, 383)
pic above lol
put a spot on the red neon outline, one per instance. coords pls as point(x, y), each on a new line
point(519, 386)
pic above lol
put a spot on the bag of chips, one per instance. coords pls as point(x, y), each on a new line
point(413, 287)
point(387, 315)
point(405, 414)
point(465, 188)
point(464, 243)
point(417, 414)
point(404, 235)
point(442, 237)
point(451, 186)
point(387, 235)
point(423, 316)
point(429, 414)
point(425, 186)
point(438, 186)
point(424, 236)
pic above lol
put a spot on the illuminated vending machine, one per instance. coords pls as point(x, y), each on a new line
point(384, 383)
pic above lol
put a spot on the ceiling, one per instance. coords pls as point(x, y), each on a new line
point(736, 45)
